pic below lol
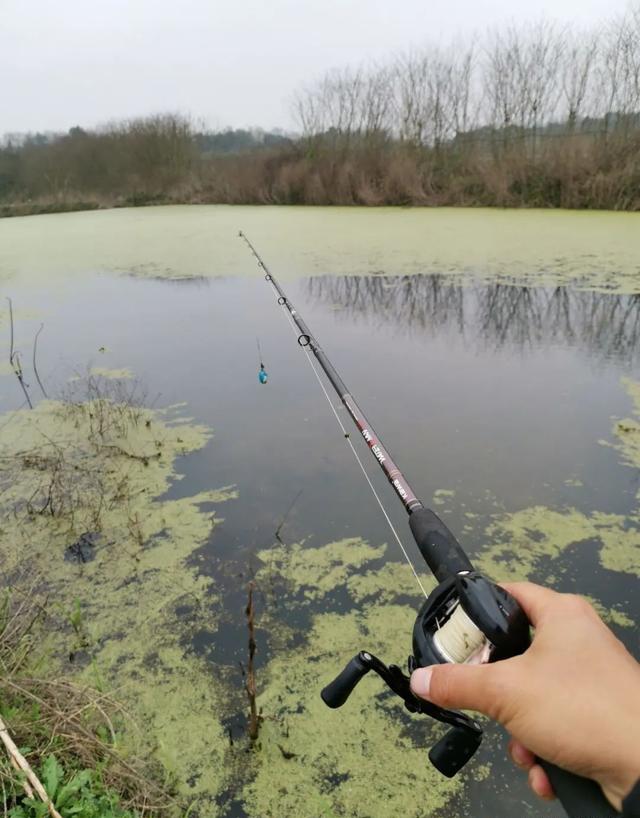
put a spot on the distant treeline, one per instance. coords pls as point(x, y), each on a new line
point(536, 115)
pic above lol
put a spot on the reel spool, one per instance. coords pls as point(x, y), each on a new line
point(469, 620)
point(466, 619)
point(459, 640)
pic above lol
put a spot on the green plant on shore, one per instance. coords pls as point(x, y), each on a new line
point(81, 794)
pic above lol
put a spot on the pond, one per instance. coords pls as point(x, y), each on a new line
point(496, 354)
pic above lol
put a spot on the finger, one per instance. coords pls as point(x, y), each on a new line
point(540, 784)
point(534, 599)
point(468, 687)
point(520, 756)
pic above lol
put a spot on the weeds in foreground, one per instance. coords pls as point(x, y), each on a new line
point(66, 731)
point(80, 475)
point(81, 794)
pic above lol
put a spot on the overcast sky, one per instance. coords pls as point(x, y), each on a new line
point(237, 62)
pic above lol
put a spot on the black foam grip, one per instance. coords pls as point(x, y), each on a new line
point(580, 797)
point(438, 546)
point(338, 691)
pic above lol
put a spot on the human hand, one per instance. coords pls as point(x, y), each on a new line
point(573, 698)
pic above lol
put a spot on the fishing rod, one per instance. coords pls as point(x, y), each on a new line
point(467, 618)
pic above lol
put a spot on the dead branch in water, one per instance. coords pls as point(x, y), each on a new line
point(14, 358)
point(35, 368)
point(250, 684)
point(285, 517)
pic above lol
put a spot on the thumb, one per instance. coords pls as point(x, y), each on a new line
point(465, 687)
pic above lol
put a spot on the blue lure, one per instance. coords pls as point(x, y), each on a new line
point(262, 375)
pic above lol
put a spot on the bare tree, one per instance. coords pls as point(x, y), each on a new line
point(619, 87)
point(464, 91)
point(411, 72)
point(577, 70)
point(539, 74)
point(501, 73)
point(522, 78)
point(377, 101)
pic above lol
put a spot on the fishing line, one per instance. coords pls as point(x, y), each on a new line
point(459, 639)
point(356, 455)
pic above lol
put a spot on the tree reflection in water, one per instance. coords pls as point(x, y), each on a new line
point(501, 315)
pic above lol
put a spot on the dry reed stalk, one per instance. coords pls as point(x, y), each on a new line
point(19, 762)
point(250, 684)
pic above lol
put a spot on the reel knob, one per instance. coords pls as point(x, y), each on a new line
point(336, 693)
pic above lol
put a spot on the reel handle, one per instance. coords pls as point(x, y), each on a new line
point(438, 546)
point(580, 797)
point(336, 693)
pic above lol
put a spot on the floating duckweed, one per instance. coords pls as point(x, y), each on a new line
point(315, 761)
point(620, 545)
point(388, 583)
point(441, 495)
point(481, 772)
point(627, 431)
point(587, 250)
point(112, 374)
point(317, 571)
point(92, 473)
point(521, 539)
point(320, 762)
point(611, 615)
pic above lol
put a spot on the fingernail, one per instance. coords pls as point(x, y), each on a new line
point(421, 681)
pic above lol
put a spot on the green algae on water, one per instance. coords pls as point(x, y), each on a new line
point(317, 571)
point(590, 250)
point(627, 431)
point(314, 761)
point(306, 748)
point(520, 542)
point(83, 495)
point(574, 482)
point(112, 374)
point(440, 496)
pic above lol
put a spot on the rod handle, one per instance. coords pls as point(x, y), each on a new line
point(438, 546)
point(336, 693)
point(580, 797)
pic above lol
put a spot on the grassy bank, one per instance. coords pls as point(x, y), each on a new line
point(68, 733)
point(581, 171)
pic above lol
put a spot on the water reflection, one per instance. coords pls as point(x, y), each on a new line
point(607, 326)
point(171, 278)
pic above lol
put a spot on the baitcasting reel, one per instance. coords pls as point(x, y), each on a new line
point(466, 619)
